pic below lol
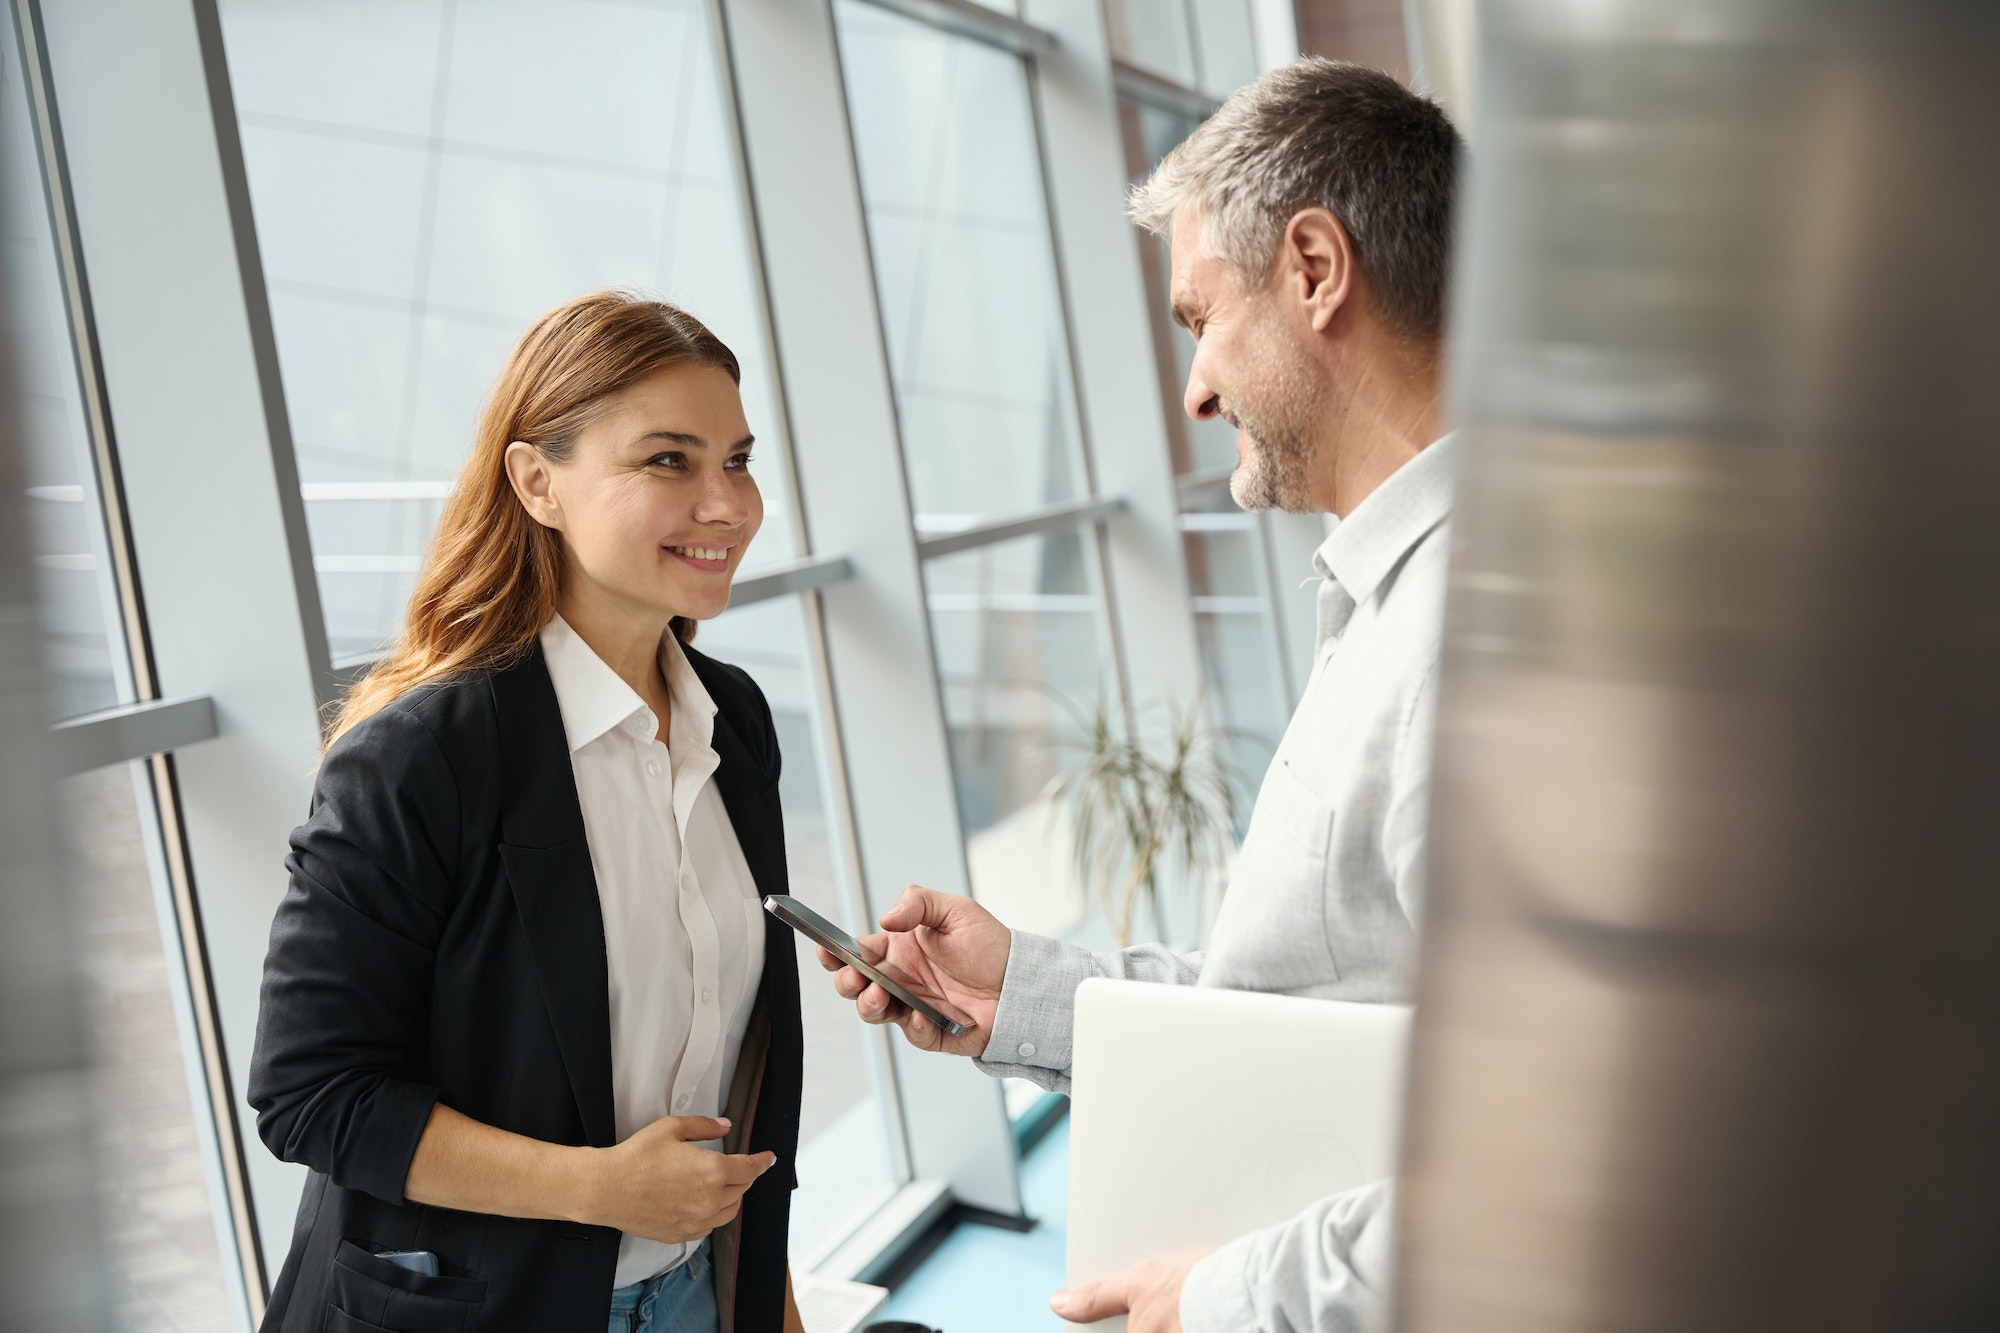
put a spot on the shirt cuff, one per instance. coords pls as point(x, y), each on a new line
point(1034, 1023)
point(1215, 1298)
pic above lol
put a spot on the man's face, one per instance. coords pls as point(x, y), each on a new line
point(1253, 369)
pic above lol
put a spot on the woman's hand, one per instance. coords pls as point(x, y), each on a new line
point(659, 1185)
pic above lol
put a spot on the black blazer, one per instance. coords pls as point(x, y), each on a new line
point(441, 941)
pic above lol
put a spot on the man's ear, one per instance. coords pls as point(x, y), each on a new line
point(528, 473)
point(1316, 264)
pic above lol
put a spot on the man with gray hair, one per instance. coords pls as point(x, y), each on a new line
point(1310, 221)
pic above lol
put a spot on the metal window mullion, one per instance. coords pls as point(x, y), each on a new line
point(130, 731)
point(1136, 83)
point(965, 18)
point(1049, 518)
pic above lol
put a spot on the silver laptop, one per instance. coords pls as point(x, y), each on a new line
point(1199, 1115)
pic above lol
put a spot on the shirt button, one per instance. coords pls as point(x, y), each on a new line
point(653, 767)
point(681, 1102)
point(688, 881)
point(707, 996)
point(1027, 1049)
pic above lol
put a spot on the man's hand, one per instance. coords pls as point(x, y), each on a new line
point(1150, 1292)
point(951, 948)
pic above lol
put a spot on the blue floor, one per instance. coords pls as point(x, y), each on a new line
point(985, 1280)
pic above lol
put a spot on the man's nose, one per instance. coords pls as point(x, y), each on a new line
point(1200, 401)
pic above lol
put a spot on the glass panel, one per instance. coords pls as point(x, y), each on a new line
point(845, 1166)
point(1239, 645)
point(1198, 446)
point(1242, 652)
point(79, 605)
point(1153, 34)
point(157, 1204)
point(430, 176)
point(952, 183)
point(1018, 630)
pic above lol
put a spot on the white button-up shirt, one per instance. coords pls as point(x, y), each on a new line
point(683, 923)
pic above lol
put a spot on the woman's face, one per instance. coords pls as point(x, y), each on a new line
point(655, 503)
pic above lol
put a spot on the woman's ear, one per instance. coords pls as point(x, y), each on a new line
point(531, 478)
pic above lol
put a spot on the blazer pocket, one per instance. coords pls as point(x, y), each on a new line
point(376, 1294)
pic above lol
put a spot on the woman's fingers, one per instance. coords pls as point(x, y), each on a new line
point(740, 1170)
point(721, 1219)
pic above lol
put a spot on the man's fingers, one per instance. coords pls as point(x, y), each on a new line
point(921, 1032)
point(827, 960)
point(919, 906)
point(1093, 1300)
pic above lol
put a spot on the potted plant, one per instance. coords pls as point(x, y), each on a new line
point(1140, 814)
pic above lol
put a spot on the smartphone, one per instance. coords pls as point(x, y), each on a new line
point(848, 949)
point(417, 1261)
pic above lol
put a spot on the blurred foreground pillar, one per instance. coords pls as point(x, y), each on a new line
point(1710, 992)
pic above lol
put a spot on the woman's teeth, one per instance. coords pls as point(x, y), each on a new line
point(701, 552)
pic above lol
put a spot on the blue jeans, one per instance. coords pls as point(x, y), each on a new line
point(680, 1300)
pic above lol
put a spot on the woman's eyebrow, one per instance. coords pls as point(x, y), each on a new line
point(687, 441)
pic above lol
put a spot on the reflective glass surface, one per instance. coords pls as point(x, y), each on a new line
point(1227, 549)
point(952, 183)
point(845, 1167)
point(1240, 652)
point(79, 606)
point(1198, 446)
point(1018, 630)
point(430, 175)
point(1153, 34)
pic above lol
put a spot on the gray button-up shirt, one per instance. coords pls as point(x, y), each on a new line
point(1325, 894)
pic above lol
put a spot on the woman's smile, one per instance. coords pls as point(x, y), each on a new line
point(708, 559)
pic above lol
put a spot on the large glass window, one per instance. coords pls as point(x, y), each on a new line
point(846, 1166)
point(430, 175)
point(1017, 628)
point(951, 176)
point(1228, 551)
point(952, 180)
point(158, 1201)
point(81, 618)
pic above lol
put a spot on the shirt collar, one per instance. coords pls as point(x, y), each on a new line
point(1365, 546)
point(594, 699)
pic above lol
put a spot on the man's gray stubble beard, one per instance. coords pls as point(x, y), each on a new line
point(1277, 472)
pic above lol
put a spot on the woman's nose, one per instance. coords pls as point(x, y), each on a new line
point(720, 502)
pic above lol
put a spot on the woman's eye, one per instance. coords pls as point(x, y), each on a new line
point(741, 462)
point(673, 462)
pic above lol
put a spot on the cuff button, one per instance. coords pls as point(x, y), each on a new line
point(1027, 1049)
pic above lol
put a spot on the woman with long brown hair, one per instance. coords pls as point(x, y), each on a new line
point(522, 1015)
